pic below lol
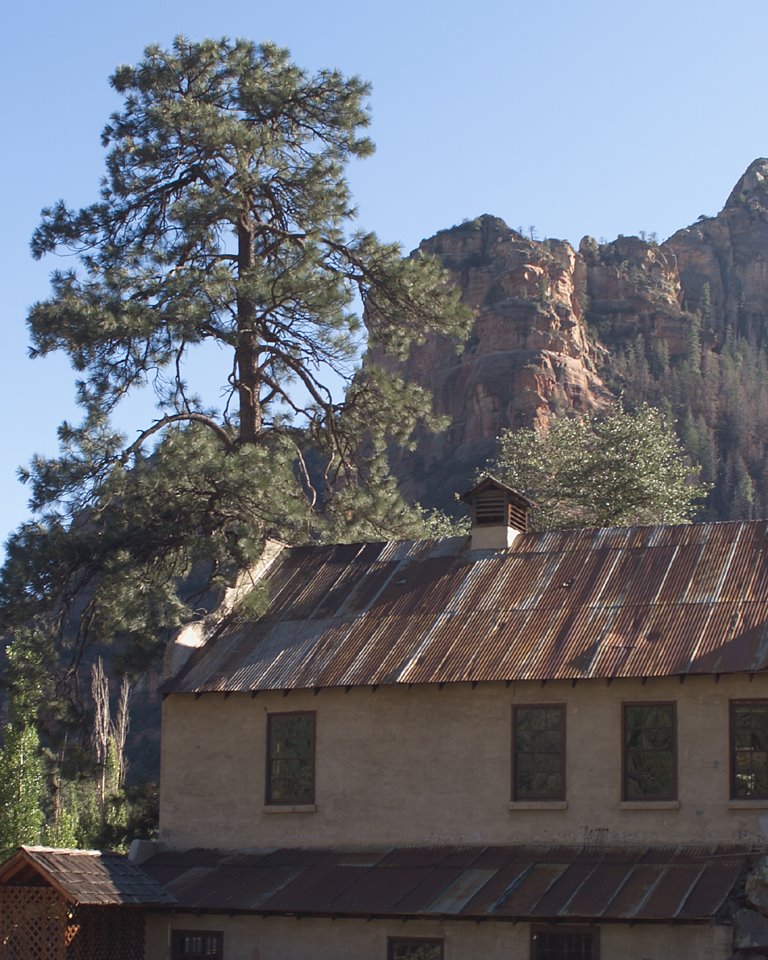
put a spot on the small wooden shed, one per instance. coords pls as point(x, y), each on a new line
point(74, 905)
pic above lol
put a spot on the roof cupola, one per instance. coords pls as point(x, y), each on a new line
point(499, 514)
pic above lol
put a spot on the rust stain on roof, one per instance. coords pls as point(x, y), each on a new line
point(623, 602)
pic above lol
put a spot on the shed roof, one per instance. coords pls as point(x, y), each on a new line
point(619, 602)
point(495, 883)
point(86, 877)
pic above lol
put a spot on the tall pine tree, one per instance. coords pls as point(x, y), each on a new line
point(225, 219)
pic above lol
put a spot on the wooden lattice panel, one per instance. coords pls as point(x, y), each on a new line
point(32, 924)
point(106, 933)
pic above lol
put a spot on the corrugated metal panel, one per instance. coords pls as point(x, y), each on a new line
point(385, 645)
point(368, 584)
point(659, 884)
point(381, 889)
point(635, 602)
point(433, 889)
point(748, 561)
point(744, 640)
point(714, 885)
point(507, 872)
point(593, 898)
point(412, 587)
point(456, 894)
point(637, 887)
point(670, 894)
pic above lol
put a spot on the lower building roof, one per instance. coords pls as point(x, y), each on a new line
point(635, 884)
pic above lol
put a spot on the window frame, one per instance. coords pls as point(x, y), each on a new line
point(592, 931)
point(656, 797)
point(268, 779)
point(540, 798)
point(732, 707)
point(392, 942)
point(176, 938)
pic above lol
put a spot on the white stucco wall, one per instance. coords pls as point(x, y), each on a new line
point(430, 766)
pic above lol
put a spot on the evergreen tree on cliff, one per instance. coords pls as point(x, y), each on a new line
point(224, 219)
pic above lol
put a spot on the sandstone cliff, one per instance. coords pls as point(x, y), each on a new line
point(554, 328)
point(727, 256)
point(528, 355)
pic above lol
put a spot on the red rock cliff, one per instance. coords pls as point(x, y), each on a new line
point(549, 319)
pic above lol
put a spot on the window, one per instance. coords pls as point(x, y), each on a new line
point(650, 755)
point(563, 943)
point(749, 749)
point(538, 762)
point(291, 758)
point(416, 949)
point(188, 944)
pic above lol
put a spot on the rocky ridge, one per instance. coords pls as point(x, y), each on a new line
point(551, 321)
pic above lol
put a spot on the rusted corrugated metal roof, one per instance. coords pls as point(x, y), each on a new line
point(623, 602)
point(503, 883)
point(85, 876)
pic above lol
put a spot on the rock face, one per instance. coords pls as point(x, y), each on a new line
point(528, 355)
point(549, 321)
point(729, 253)
point(634, 286)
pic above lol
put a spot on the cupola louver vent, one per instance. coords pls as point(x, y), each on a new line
point(490, 508)
point(499, 514)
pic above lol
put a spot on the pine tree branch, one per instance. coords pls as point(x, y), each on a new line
point(220, 432)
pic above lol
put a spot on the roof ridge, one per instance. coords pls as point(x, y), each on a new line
point(30, 848)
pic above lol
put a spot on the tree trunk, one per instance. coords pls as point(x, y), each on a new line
point(247, 351)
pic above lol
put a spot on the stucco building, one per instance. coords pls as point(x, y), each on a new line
point(508, 745)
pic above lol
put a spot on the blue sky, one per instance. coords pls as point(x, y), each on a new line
point(591, 118)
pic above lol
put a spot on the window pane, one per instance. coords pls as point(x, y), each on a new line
point(649, 751)
point(290, 763)
point(197, 944)
point(562, 946)
point(749, 749)
point(539, 753)
point(415, 949)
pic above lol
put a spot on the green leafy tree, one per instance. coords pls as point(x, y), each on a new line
point(62, 828)
point(21, 787)
point(224, 221)
point(616, 469)
point(22, 781)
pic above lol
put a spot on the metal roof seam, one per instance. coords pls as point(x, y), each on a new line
point(687, 896)
point(510, 889)
point(577, 890)
point(700, 639)
point(650, 889)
